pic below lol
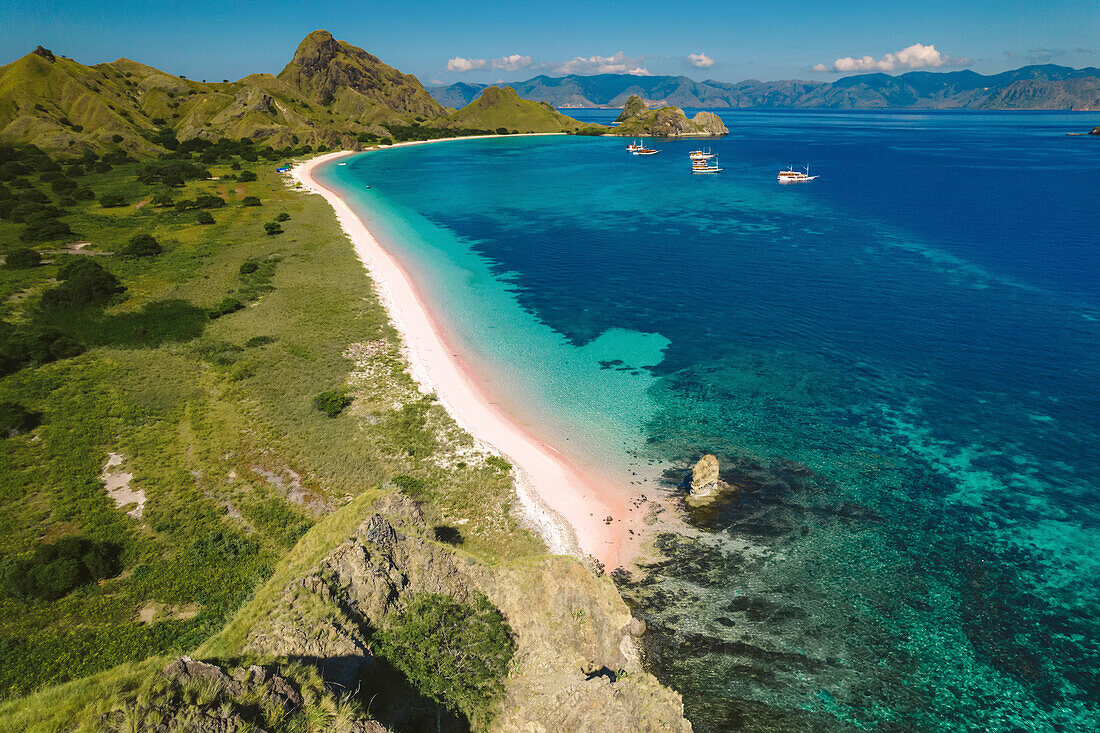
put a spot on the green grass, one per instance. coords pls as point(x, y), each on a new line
point(215, 419)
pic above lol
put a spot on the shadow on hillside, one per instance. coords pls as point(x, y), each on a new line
point(157, 323)
point(386, 694)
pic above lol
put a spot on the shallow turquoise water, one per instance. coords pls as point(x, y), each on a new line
point(896, 363)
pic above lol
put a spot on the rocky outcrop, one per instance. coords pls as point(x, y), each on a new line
point(576, 666)
point(671, 122)
point(705, 485)
point(1095, 131)
point(634, 106)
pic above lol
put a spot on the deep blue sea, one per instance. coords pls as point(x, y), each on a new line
point(898, 365)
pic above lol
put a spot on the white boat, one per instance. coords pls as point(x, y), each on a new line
point(634, 146)
point(792, 176)
point(646, 151)
point(703, 165)
point(701, 155)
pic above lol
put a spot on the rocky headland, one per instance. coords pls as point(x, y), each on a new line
point(637, 120)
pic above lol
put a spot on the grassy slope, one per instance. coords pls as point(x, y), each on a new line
point(197, 413)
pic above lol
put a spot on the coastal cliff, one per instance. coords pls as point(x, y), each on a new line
point(575, 665)
point(671, 122)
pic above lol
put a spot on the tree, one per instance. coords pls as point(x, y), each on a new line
point(83, 282)
point(23, 258)
point(282, 216)
point(454, 653)
point(250, 201)
point(141, 245)
point(273, 228)
point(204, 217)
point(246, 176)
point(111, 200)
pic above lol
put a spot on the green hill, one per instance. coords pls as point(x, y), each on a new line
point(331, 93)
point(501, 108)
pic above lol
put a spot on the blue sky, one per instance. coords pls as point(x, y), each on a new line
point(491, 40)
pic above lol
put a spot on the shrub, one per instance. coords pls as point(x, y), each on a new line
point(23, 258)
point(332, 402)
point(141, 245)
point(85, 194)
point(84, 282)
point(282, 216)
point(63, 185)
point(248, 267)
point(246, 176)
point(258, 341)
point(52, 571)
point(273, 228)
point(250, 201)
point(16, 419)
point(116, 138)
point(454, 653)
point(111, 200)
point(44, 227)
point(20, 347)
point(225, 307)
point(164, 198)
point(204, 217)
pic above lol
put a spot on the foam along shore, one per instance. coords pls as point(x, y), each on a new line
point(568, 504)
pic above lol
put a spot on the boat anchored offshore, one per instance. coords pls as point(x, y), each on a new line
point(703, 165)
point(792, 176)
point(643, 150)
point(701, 155)
point(634, 146)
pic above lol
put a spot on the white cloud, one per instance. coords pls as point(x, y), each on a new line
point(460, 64)
point(700, 60)
point(820, 67)
point(508, 63)
point(512, 63)
point(617, 64)
point(917, 56)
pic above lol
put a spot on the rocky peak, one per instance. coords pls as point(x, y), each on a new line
point(45, 53)
point(634, 106)
point(324, 68)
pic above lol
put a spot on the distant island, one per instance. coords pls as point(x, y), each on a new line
point(638, 119)
point(1046, 86)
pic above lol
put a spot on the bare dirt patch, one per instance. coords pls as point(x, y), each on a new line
point(117, 483)
point(155, 611)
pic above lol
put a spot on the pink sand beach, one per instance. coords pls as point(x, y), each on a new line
point(567, 503)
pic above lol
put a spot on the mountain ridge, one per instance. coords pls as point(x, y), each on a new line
point(330, 94)
point(1040, 86)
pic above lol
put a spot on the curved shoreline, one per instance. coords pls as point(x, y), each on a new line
point(567, 504)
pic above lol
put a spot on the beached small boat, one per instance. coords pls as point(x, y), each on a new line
point(701, 155)
point(704, 165)
point(792, 176)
